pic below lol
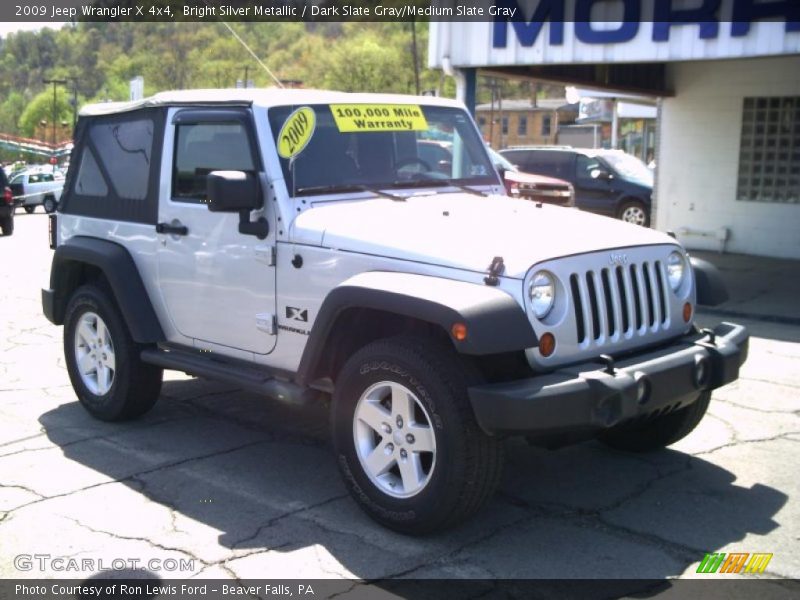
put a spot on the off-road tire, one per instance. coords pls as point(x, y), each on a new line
point(468, 462)
point(135, 385)
point(661, 431)
point(7, 225)
point(630, 209)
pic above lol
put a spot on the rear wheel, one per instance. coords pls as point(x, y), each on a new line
point(7, 225)
point(406, 440)
point(103, 362)
point(634, 212)
point(661, 431)
point(29, 209)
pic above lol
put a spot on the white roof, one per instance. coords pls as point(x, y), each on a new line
point(265, 97)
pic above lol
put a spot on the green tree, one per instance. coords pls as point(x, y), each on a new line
point(10, 112)
point(41, 109)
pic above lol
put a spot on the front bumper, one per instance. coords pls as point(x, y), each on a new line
point(588, 397)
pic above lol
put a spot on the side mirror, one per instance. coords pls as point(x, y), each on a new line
point(237, 191)
point(232, 191)
point(601, 174)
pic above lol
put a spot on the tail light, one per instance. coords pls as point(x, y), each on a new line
point(8, 197)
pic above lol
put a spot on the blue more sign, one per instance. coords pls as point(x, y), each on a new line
point(666, 15)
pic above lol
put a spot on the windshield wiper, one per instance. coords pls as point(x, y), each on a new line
point(343, 189)
point(415, 183)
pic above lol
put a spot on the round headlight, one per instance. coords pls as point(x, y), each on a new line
point(542, 293)
point(676, 266)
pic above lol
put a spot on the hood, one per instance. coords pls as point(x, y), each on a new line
point(465, 231)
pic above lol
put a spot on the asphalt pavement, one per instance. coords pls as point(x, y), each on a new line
point(217, 482)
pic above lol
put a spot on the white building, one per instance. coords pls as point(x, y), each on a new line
point(728, 92)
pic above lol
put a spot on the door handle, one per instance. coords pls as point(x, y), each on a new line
point(174, 228)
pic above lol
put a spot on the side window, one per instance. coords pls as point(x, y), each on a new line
point(584, 167)
point(46, 177)
point(89, 181)
point(34, 178)
point(204, 147)
point(125, 149)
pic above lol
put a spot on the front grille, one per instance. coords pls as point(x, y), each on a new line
point(624, 300)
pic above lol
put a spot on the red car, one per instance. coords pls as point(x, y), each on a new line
point(530, 186)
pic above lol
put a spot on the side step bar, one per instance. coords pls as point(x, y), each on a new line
point(248, 378)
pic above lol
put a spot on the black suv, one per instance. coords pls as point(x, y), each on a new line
point(608, 182)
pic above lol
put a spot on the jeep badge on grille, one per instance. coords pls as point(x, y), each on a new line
point(618, 258)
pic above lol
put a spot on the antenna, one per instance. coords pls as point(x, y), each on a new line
point(246, 47)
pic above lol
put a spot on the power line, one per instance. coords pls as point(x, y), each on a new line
point(246, 47)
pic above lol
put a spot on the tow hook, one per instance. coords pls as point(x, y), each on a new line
point(608, 361)
point(712, 337)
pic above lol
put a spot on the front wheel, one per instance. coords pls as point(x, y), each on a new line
point(634, 212)
point(407, 444)
point(103, 362)
point(49, 205)
point(659, 432)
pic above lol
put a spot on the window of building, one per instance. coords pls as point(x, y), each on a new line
point(522, 125)
point(205, 147)
point(546, 121)
point(504, 122)
point(481, 121)
point(769, 152)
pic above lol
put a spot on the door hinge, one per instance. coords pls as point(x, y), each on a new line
point(266, 255)
point(267, 322)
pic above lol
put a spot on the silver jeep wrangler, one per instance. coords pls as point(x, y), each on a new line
point(297, 243)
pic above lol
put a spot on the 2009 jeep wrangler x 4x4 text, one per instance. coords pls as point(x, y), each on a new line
point(295, 243)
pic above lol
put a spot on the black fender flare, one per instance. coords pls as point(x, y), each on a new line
point(119, 269)
point(710, 286)
point(495, 322)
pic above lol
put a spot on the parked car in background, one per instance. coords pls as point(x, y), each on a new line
point(438, 156)
point(530, 186)
point(32, 188)
point(607, 182)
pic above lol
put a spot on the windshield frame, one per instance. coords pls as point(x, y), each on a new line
point(474, 153)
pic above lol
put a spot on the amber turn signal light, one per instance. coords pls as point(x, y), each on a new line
point(687, 312)
point(459, 331)
point(547, 344)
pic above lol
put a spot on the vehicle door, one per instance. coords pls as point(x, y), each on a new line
point(594, 185)
point(218, 285)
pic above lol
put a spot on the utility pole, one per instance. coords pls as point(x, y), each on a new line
point(55, 82)
point(414, 54)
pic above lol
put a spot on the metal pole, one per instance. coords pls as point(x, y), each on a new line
point(614, 124)
point(55, 82)
point(414, 54)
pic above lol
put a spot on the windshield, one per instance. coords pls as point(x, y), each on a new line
point(630, 168)
point(330, 148)
point(500, 161)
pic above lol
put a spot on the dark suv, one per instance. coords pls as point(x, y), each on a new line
point(608, 182)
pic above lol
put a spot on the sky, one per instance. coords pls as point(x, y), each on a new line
point(6, 28)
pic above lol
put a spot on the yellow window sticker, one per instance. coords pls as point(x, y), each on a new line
point(378, 117)
point(296, 132)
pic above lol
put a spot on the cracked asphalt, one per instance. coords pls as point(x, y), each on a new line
point(240, 487)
